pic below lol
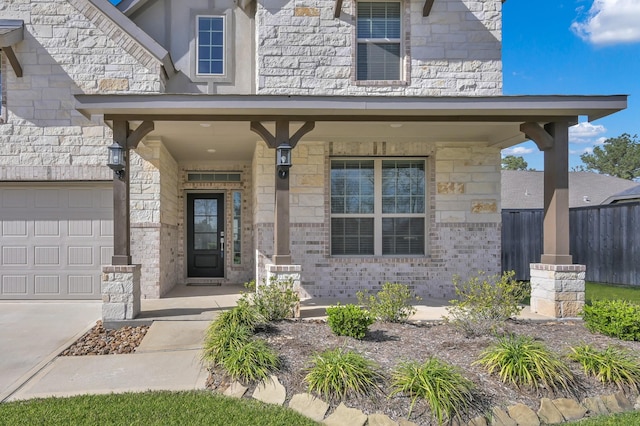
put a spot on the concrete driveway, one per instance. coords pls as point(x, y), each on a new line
point(33, 333)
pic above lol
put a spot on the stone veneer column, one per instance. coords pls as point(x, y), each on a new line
point(284, 273)
point(120, 292)
point(557, 291)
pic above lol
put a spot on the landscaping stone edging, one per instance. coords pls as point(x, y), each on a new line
point(554, 411)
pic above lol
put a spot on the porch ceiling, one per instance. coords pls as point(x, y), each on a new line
point(190, 125)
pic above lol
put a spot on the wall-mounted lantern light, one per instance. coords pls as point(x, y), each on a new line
point(283, 160)
point(116, 160)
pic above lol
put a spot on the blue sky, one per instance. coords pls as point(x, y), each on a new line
point(574, 47)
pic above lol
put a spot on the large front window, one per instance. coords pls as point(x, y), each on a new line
point(378, 207)
point(210, 55)
point(378, 32)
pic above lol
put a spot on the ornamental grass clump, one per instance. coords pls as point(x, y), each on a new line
point(447, 392)
point(522, 361)
point(391, 304)
point(337, 373)
point(349, 320)
point(611, 365)
point(484, 302)
point(230, 345)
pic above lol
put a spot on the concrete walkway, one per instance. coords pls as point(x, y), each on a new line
point(169, 357)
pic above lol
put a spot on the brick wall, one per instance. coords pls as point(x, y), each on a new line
point(303, 49)
point(462, 221)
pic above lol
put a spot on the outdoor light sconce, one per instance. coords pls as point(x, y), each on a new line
point(283, 160)
point(116, 160)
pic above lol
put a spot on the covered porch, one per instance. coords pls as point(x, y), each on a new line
point(189, 125)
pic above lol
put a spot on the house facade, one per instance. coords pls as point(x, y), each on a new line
point(394, 110)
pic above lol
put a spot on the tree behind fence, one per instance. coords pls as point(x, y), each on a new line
point(605, 238)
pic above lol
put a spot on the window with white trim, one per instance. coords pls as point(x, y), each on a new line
point(378, 207)
point(210, 55)
point(378, 52)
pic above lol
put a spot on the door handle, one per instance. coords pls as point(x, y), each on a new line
point(221, 246)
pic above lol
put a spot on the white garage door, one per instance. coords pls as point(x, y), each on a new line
point(54, 240)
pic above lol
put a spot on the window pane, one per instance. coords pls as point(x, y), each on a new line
point(403, 186)
point(402, 236)
point(352, 236)
point(237, 226)
point(378, 61)
point(352, 186)
point(378, 20)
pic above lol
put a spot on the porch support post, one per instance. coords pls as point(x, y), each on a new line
point(557, 286)
point(556, 197)
point(121, 214)
point(281, 243)
point(282, 253)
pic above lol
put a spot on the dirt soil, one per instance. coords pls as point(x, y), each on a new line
point(387, 344)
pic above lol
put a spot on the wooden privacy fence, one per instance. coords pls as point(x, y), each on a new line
point(605, 238)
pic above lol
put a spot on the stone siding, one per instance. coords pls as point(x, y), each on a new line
point(63, 53)
point(456, 51)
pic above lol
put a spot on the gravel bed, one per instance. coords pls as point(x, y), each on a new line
point(102, 341)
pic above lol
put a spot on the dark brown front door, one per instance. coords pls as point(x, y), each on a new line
point(205, 235)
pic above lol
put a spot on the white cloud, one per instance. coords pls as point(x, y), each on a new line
point(610, 22)
point(587, 150)
point(585, 132)
point(517, 150)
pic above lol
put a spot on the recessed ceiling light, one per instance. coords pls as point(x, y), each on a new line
point(205, 124)
point(211, 150)
point(396, 125)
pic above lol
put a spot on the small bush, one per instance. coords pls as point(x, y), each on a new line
point(524, 362)
point(484, 302)
point(336, 373)
point(615, 318)
point(275, 300)
point(391, 304)
point(349, 320)
point(449, 394)
point(611, 365)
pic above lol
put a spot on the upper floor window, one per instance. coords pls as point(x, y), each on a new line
point(378, 207)
point(378, 41)
point(210, 45)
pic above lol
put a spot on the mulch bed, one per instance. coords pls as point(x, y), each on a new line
point(387, 344)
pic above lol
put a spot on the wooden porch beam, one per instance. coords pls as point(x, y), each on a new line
point(266, 136)
point(537, 134)
point(306, 128)
point(137, 135)
point(13, 60)
point(337, 9)
point(426, 9)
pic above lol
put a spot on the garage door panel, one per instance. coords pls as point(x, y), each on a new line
point(47, 284)
point(54, 240)
point(14, 285)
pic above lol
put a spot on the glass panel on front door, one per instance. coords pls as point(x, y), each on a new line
point(205, 235)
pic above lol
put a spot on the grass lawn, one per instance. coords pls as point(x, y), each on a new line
point(631, 418)
point(597, 291)
point(150, 408)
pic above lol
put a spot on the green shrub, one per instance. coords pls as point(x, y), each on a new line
point(251, 361)
point(449, 394)
point(524, 362)
point(615, 318)
point(611, 365)
point(336, 373)
point(243, 314)
point(275, 300)
point(484, 302)
point(391, 304)
point(349, 320)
